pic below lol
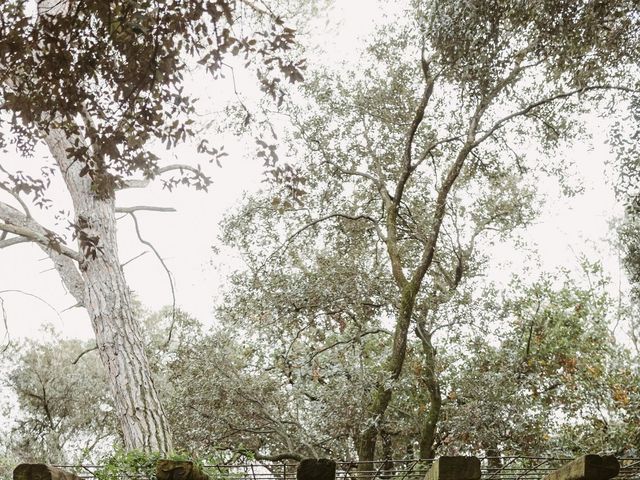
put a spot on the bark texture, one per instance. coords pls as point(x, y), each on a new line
point(430, 422)
point(94, 276)
point(107, 299)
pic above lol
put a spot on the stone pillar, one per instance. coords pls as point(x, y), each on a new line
point(316, 469)
point(40, 471)
point(587, 467)
point(454, 468)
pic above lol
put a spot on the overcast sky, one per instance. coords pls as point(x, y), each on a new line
point(567, 228)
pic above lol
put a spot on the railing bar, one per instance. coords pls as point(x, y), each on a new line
point(543, 462)
point(513, 468)
point(498, 470)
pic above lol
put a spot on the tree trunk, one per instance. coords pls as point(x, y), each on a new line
point(382, 394)
point(386, 469)
point(108, 301)
point(494, 459)
point(428, 427)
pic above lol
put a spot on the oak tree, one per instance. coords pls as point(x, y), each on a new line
point(425, 147)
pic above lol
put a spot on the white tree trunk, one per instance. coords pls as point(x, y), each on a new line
point(107, 299)
point(99, 285)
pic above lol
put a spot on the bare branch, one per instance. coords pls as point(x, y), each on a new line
point(166, 269)
point(83, 353)
point(145, 208)
point(77, 305)
point(33, 295)
point(64, 259)
point(13, 241)
point(134, 258)
point(6, 326)
point(142, 183)
point(41, 239)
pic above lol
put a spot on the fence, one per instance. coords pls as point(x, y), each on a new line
point(489, 468)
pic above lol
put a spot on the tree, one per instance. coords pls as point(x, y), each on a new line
point(98, 83)
point(64, 412)
point(424, 148)
point(549, 379)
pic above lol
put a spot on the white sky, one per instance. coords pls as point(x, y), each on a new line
point(567, 227)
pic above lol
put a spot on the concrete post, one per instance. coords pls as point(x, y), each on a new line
point(316, 469)
point(587, 467)
point(40, 471)
point(454, 468)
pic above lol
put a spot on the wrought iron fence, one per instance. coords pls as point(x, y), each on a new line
point(493, 468)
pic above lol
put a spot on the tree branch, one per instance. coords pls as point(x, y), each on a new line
point(145, 208)
point(41, 239)
point(13, 241)
point(83, 353)
point(279, 457)
point(22, 292)
point(133, 258)
point(64, 259)
point(6, 326)
point(142, 183)
point(415, 124)
point(392, 206)
point(544, 101)
point(443, 194)
point(348, 340)
point(310, 224)
point(166, 269)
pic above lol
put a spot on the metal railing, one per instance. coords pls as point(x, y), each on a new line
point(493, 468)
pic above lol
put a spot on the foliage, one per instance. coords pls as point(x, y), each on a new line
point(139, 464)
point(120, 66)
point(7, 464)
point(624, 139)
point(101, 84)
point(132, 464)
point(360, 324)
point(552, 380)
point(65, 412)
point(412, 163)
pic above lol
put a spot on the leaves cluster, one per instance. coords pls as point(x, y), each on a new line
point(112, 74)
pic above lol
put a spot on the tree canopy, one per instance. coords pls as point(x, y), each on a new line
point(363, 322)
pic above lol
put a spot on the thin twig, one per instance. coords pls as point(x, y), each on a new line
point(34, 296)
point(348, 340)
point(6, 326)
point(90, 349)
point(166, 269)
point(134, 258)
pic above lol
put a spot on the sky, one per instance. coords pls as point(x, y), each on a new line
point(566, 229)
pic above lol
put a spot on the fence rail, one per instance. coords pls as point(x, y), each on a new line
point(493, 468)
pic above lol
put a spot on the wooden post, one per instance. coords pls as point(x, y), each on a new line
point(179, 470)
point(40, 471)
point(454, 468)
point(316, 469)
point(587, 467)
